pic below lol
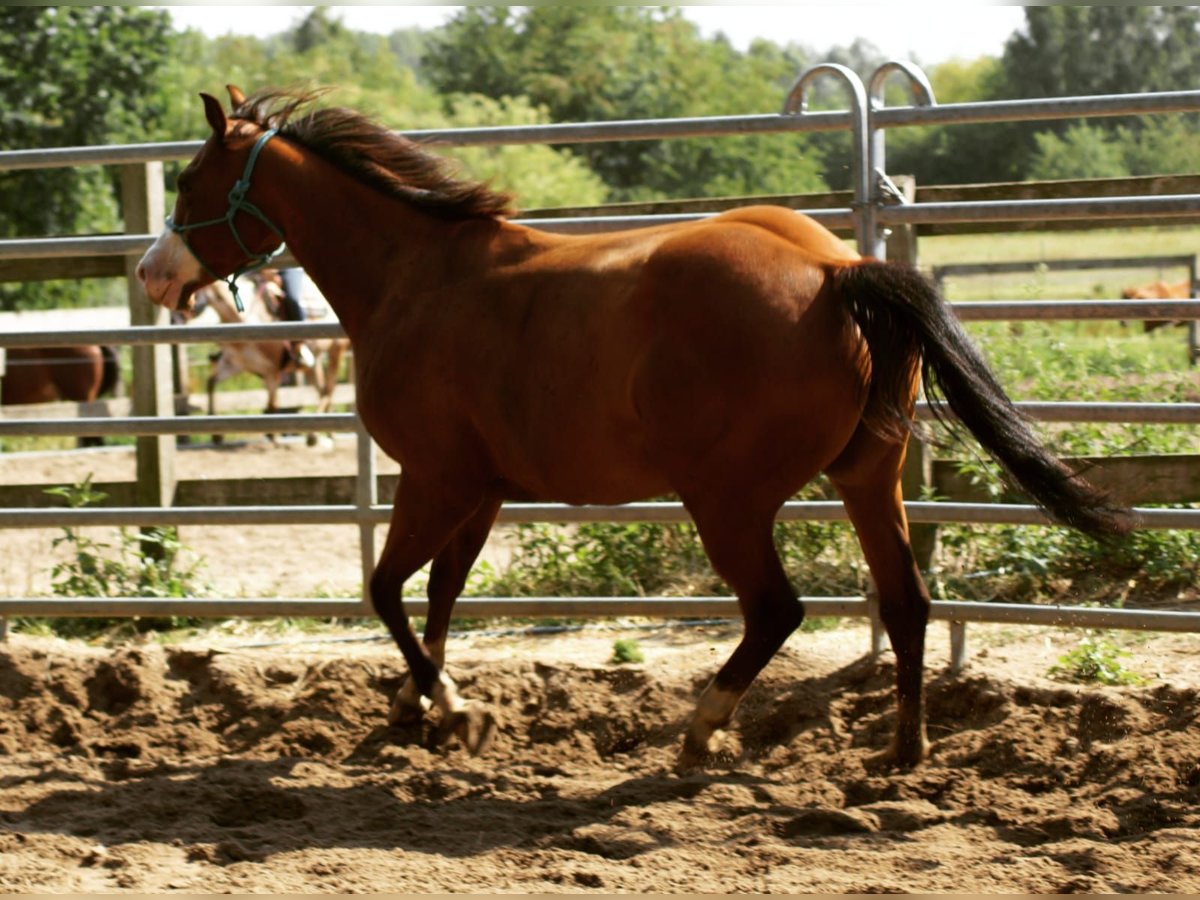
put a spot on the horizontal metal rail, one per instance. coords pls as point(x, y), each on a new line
point(1038, 109)
point(1139, 413)
point(1035, 310)
point(655, 129)
point(1026, 210)
point(525, 513)
point(968, 311)
point(144, 335)
point(559, 133)
point(143, 426)
point(136, 244)
point(597, 608)
point(906, 214)
point(1065, 616)
point(950, 270)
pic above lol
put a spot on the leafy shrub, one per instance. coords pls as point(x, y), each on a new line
point(1095, 660)
point(144, 564)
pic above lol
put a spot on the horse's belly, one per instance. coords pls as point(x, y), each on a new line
point(581, 465)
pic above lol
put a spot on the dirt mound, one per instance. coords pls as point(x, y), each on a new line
point(151, 768)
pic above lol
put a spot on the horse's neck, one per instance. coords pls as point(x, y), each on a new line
point(379, 241)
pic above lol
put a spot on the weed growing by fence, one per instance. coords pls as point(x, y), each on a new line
point(1096, 660)
point(627, 650)
point(148, 563)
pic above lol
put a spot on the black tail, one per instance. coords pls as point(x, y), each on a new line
point(905, 323)
point(112, 371)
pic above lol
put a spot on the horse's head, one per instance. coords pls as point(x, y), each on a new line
point(216, 230)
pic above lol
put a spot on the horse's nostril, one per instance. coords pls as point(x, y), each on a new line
point(141, 272)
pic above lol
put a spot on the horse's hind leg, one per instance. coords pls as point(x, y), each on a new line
point(423, 521)
point(447, 578)
point(742, 550)
point(870, 488)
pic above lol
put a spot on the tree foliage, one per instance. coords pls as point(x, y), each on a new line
point(1083, 50)
point(587, 63)
point(1077, 50)
point(72, 76)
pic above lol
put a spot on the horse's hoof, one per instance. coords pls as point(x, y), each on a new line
point(722, 747)
point(900, 755)
point(404, 712)
point(474, 725)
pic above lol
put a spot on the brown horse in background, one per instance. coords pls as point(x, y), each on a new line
point(728, 361)
point(1159, 290)
point(80, 373)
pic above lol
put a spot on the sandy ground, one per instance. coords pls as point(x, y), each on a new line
point(223, 766)
point(249, 761)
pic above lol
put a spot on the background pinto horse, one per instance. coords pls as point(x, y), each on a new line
point(80, 373)
point(728, 360)
point(271, 360)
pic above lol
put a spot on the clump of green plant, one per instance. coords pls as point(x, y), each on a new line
point(147, 563)
point(627, 650)
point(1095, 660)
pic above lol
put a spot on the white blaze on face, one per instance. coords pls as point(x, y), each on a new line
point(167, 268)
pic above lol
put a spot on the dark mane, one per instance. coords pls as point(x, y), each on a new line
point(373, 154)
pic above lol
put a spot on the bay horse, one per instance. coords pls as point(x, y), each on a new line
point(80, 373)
point(728, 361)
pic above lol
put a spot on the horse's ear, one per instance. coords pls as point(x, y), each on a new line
point(215, 115)
point(236, 96)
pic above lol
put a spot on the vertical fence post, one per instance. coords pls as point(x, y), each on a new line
point(142, 200)
point(1193, 325)
point(366, 495)
point(897, 244)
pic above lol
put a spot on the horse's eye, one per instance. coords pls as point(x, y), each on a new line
point(183, 183)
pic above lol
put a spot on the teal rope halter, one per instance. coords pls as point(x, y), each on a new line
point(237, 203)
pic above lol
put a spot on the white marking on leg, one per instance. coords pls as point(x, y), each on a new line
point(713, 712)
point(437, 651)
point(445, 696)
point(408, 697)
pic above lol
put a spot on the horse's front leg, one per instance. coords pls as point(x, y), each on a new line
point(447, 578)
point(424, 520)
point(272, 382)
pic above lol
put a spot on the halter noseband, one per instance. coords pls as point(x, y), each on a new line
point(237, 203)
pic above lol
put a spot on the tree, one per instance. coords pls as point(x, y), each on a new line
point(73, 76)
point(537, 175)
point(600, 63)
point(1078, 50)
point(1066, 51)
point(372, 79)
point(1084, 151)
point(1086, 50)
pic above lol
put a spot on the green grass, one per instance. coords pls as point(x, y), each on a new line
point(627, 650)
point(1021, 246)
